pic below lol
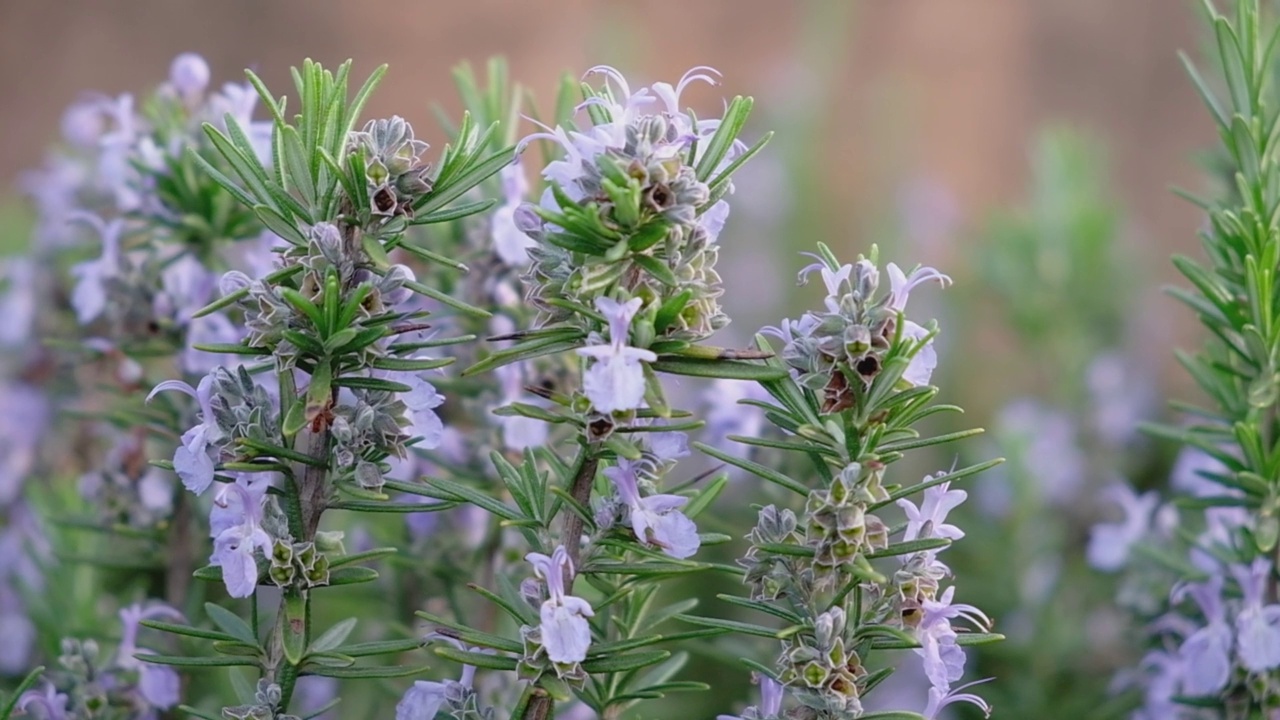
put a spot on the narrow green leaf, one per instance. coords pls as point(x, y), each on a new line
point(230, 623)
point(726, 369)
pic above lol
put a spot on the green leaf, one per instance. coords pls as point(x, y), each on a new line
point(178, 661)
point(703, 500)
point(366, 673)
point(277, 224)
point(735, 117)
point(657, 269)
point(369, 383)
point(294, 629)
point(188, 631)
point(380, 647)
point(333, 637)
point(28, 682)
point(193, 712)
point(761, 471)
point(230, 623)
point(337, 561)
point(733, 626)
point(475, 497)
point(351, 576)
point(727, 369)
point(911, 546)
point(625, 662)
point(475, 659)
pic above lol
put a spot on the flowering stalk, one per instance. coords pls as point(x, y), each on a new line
point(621, 251)
point(338, 325)
point(1211, 559)
point(844, 581)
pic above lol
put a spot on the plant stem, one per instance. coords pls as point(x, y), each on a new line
point(571, 535)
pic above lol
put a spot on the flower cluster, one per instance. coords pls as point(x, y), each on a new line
point(641, 188)
point(850, 340)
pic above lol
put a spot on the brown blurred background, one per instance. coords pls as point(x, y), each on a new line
point(876, 92)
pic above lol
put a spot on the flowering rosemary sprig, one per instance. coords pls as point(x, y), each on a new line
point(1210, 560)
point(844, 581)
point(621, 256)
point(337, 323)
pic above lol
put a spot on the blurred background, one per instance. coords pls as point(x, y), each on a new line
point(1025, 148)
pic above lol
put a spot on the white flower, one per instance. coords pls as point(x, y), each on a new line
point(1109, 543)
point(656, 519)
point(615, 381)
point(1257, 626)
point(566, 634)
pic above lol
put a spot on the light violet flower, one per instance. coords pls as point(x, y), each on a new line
point(425, 699)
point(833, 279)
point(18, 301)
point(189, 76)
point(939, 699)
point(1206, 653)
point(518, 432)
point(1257, 626)
point(18, 631)
point(726, 416)
point(509, 242)
point(901, 285)
point(656, 519)
point(943, 658)
point(929, 520)
point(158, 684)
point(615, 381)
point(240, 535)
point(1048, 449)
point(194, 458)
point(771, 695)
point(89, 297)
point(422, 400)
point(1109, 543)
point(566, 634)
point(51, 702)
point(920, 368)
point(1163, 672)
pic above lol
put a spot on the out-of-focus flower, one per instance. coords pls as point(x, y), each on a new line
point(158, 684)
point(1257, 624)
point(1206, 653)
point(89, 297)
point(1109, 543)
point(509, 241)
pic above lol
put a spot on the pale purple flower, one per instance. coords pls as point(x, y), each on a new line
point(668, 446)
point(833, 279)
point(772, 693)
point(83, 123)
point(1163, 672)
point(422, 400)
point(726, 416)
point(24, 416)
point(509, 242)
point(518, 432)
point(939, 698)
point(422, 701)
point(241, 534)
point(426, 698)
point(158, 684)
point(1120, 397)
point(901, 284)
point(615, 381)
point(1257, 625)
point(51, 703)
point(1110, 543)
point(943, 659)
point(656, 519)
point(211, 329)
point(238, 101)
point(1188, 474)
point(18, 301)
point(194, 458)
point(1047, 447)
point(89, 297)
point(921, 366)
point(929, 520)
point(1206, 653)
point(566, 634)
point(189, 76)
point(18, 631)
